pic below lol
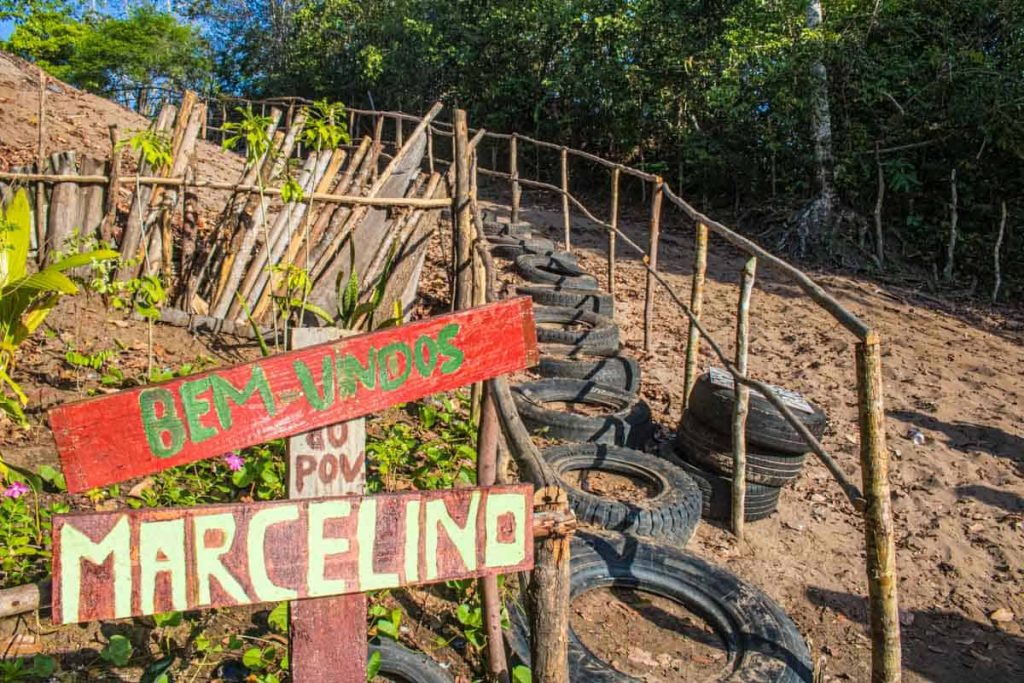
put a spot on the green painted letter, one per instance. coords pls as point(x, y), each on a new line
point(313, 396)
point(395, 365)
point(224, 391)
point(454, 354)
point(195, 408)
point(167, 422)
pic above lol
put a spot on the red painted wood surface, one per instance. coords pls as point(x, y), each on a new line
point(132, 562)
point(327, 634)
point(104, 440)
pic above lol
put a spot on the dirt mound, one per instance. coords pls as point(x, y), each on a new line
point(77, 120)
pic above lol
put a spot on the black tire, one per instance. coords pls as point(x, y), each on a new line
point(599, 334)
point(627, 422)
point(398, 663)
point(759, 503)
point(547, 270)
point(514, 247)
point(712, 404)
point(712, 451)
point(671, 515)
point(520, 229)
point(591, 300)
point(762, 643)
point(615, 371)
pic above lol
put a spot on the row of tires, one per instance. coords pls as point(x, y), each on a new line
point(588, 400)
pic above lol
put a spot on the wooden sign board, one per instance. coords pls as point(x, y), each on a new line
point(127, 563)
point(132, 433)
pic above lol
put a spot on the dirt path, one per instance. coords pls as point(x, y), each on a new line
point(958, 498)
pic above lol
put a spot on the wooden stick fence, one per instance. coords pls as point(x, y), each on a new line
point(874, 502)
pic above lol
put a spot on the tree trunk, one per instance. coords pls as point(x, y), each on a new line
point(818, 219)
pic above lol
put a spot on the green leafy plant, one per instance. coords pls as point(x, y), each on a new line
point(353, 315)
point(384, 621)
point(40, 667)
point(118, 650)
point(27, 299)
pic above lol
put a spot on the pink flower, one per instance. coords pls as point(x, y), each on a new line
point(16, 490)
point(234, 461)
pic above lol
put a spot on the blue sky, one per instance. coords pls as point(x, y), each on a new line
point(6, 26)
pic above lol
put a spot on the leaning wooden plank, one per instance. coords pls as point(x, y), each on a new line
point(132, 238)
point(90, 202)
point(111, 565)
point(369, 232)
point(211, 413)
point(63, 212)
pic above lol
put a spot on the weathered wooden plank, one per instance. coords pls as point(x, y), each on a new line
point(155, 427)
point(327, 634)
point(110, 565)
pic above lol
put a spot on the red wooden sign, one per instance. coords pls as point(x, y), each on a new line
point(133, 562)
point(137, 432)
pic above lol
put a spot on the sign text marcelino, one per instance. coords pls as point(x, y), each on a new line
point(134, 562)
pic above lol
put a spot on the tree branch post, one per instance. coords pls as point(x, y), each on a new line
point(566, 218)
point(878, 524)
point(995, 254)
point(652, 259)
point(741, 405)
point(613, 220)
point(513, 170)
point(462, 215)
point(41, 164)
point(700, 268)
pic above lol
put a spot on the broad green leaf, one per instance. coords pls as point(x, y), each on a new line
point(278, 618)
point(84, 259)
point(117, 651)
point(47, 280)
point(373, 665)
point(15, 238)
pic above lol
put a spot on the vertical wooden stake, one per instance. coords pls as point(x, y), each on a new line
point(878, 525)
point(614, 222)
point(399, 134)
point(41, 168)
point(327, 634)
point(430, 149)
point(513, 170)
point(110, 201)
point(700, 267)
point(740, 407)
point(378, 131)
point(486, 475)
point(462, 215)
point(223, 120)
point(566, 220)
point(652, 259)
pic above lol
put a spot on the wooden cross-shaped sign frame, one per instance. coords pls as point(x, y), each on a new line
point(319, 544)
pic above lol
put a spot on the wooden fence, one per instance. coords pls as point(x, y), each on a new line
point(873, 503)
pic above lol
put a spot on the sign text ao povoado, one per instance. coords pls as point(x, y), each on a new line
point(134, 562)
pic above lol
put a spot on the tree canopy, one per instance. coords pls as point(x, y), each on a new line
point(714, 95)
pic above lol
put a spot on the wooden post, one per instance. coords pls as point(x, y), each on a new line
point(430, 150)
point(878, 525)
point(327, 634)
point(487, 475)
point(700, 267)
point(41, 164)
point(223, 120)
point(378, 131)
point(462, 215)
point(566, 219)
point(513, 170)
point(652, 257)
point(614, 222)
point(110, 207)
point(549, 587)
point(399, 141)
point(740, 407)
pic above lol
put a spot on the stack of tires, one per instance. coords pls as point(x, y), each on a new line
point(587, 401)
point(587, 398)
point(775, 451)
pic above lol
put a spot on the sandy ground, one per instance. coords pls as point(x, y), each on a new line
point(958, 498)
